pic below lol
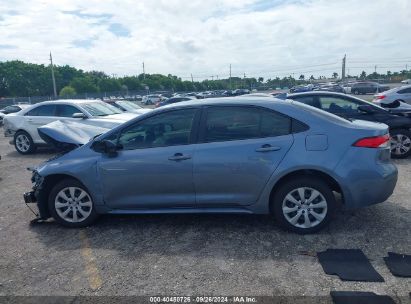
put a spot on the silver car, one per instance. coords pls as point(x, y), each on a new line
point(400, 94)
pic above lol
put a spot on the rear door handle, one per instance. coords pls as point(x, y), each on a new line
point(179, 156)
point(267, 148)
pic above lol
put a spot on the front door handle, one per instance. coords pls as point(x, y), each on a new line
point(267, 148)
point(179, 156)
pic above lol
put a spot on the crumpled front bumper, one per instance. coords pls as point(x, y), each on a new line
point(35, 196)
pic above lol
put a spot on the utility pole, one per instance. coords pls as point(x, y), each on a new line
point(192, 80)
point(406, 67)
point(343, 68)
point(375, 69)
point(212, 77)
point(230, 78)
point(52, 76)
point(144, 72)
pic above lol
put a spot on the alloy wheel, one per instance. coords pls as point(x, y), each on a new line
point(22, 143)
point(73, 204)
point(304, 207)
point(400, 144)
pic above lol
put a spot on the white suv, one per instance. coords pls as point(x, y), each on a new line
point(22, 126)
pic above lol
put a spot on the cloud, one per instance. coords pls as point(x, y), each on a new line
point(266, 38)
point(119, 30)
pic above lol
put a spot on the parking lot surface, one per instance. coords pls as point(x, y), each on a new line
point(188, 254)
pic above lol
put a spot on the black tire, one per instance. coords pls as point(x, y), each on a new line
point(56, 214)
point(19, 138)
point(403, 149)
point(289, 187)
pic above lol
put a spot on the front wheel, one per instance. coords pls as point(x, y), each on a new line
point(71, 205)
point(304, 205)
point(24, 143)
point(400, 143)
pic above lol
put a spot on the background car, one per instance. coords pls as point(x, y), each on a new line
point(330, 88)
point(128, 106)
point(301, 88)
point(228, 155)
point(367, 87)
point(400, 94)
point(406, 81)
point(173, 100)
point(22, 126)
point(151, 99)
point(354, 108)
point(11, 109)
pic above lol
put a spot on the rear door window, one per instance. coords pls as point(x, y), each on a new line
point(339, 106)
point(45, 110)
point(237, 123)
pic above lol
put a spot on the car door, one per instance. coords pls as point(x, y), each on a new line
point(239, 149)
point(154, 168)
point(37, 117)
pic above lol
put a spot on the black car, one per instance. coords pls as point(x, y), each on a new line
point(350, 107)
point(368, 88)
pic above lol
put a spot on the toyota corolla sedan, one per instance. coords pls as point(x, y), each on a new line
point(226, 155)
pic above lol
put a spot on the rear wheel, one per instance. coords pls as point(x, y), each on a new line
point(400, 143)
point(71, 205)
point(24, 143)
point(304, 205)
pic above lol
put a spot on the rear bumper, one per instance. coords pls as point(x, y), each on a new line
point(369, 184)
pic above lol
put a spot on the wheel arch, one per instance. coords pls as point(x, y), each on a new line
point(331, 181)
point(44, 191)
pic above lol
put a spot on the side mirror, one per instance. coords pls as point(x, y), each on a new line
point(367, 109)
point(106, 147)
point(79, 115)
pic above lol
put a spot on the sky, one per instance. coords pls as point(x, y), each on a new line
point(266, 38)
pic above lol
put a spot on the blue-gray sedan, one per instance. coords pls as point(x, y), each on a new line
point(230, 155)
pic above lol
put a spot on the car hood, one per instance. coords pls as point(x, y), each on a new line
point(66, 135)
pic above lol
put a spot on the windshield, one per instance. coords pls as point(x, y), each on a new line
point(128, 105)
point(100, 109)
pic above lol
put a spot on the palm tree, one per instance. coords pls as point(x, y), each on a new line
point(335, 75)
point(301, 77)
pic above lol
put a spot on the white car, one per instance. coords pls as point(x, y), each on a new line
point(151, 99)
point(22, 126)
point(128, 106)
point(406, 81)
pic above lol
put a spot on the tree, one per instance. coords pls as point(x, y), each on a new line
point(363, 75)
point(301, 77)
point(260, 79)
point(312, 77)
point(67, 91)
point(83, 85)
point(335, 75)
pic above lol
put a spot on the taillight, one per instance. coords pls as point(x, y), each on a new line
point(373, 142)
point(380, 97)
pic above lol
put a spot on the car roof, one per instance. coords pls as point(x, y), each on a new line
point(317, 93)
point(256, 101)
